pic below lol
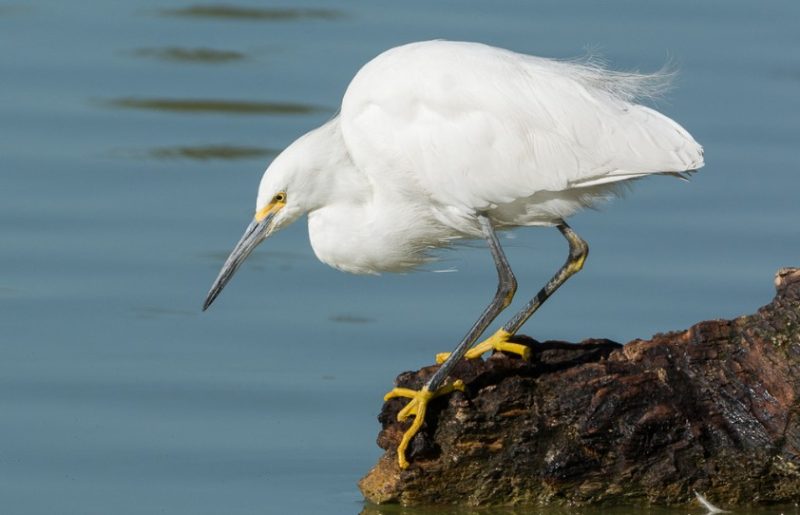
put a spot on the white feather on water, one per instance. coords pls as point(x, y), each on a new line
point(707, 505)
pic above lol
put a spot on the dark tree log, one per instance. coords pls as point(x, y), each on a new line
point(712, 409)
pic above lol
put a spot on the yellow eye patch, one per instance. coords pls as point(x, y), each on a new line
point(275, 205)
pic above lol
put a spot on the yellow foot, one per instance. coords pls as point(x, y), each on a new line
point(497, 341)
point(417, 407)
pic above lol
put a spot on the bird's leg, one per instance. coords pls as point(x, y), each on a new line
point(417, 406)
point(578, 250)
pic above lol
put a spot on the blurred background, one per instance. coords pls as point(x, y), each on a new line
point(133, 135)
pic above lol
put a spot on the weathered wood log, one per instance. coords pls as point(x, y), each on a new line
point(714, 408)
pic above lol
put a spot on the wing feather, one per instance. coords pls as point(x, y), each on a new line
point(474, 126)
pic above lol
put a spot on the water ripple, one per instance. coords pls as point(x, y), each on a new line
point(190, 55)
point(233, 12)
point(206, 152)
point(215, 106)
point(153, 312)
point(350, 319)
point(7, 290)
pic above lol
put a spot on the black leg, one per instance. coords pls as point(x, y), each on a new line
point(506, 287)
point(578, 250)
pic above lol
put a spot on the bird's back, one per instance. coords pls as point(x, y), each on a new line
point(473, 127)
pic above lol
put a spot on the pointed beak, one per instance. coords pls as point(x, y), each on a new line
point(255, 233)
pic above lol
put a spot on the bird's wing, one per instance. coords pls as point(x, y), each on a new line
point(645, 142)
point(474, 126)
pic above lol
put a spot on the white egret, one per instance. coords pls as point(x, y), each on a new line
point(439, 141)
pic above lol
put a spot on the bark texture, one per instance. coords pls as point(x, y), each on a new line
point(713, 408)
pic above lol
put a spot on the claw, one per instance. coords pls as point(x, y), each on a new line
point(417, 407)
point(497, 341)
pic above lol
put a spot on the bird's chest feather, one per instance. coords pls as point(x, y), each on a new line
point(361, 240)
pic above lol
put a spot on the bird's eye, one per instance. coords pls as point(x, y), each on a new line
point(279, 197)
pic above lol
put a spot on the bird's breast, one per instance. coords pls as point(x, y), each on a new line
point(365, 240)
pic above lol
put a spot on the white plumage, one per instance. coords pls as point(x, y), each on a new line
point(432, 133)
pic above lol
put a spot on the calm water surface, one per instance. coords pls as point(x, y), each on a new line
point(133, 138)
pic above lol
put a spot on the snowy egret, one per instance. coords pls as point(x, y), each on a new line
point(439, 141)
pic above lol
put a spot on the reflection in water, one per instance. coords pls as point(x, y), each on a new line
point(693, 507)
point(254, 13)
point(215, 106)
point(205, 152)
point(393, 509)
point(191, 55)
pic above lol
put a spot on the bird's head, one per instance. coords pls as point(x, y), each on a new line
point(293, 185)
point(280, 202)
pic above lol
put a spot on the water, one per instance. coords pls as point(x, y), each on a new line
point(133, 138)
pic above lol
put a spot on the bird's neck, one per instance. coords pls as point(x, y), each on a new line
point(335, 179)
point(355, 227)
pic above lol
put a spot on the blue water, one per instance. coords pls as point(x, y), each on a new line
point(119, 202)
